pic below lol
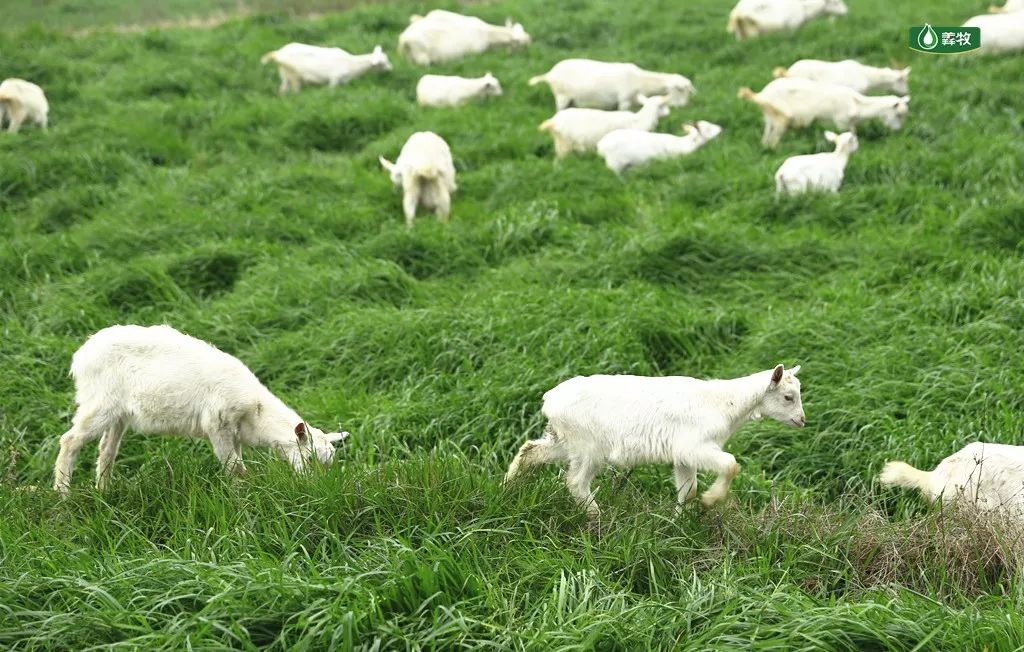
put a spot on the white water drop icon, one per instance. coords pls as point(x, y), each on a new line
point(927, 39)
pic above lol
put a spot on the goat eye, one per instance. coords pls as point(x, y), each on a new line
point(789, 398)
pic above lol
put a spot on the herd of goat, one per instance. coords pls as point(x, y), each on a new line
point(157, 380)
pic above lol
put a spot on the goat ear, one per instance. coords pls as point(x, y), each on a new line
point(831, 136)
point(905, 73)
point(510, 23)
point(386, 164)
point(378, 49)
point(300, 431)
point(795, 370)
point(777, 375)
point(641, 98)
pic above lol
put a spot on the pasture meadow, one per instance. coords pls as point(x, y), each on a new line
point(175, 186)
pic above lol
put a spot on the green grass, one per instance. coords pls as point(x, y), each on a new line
point(175, 186)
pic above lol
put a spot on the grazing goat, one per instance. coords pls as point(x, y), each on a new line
point(752, 18)
point(624, 148)
point(157, 380)
point(788, 102)
point(19, 100)
point(851, 74)
point(298, 62)
point(1003, 32)
point(625, 421)
point(443, 36)
point(425, 171)
point(585, 83)
point(989, 477)
point(442, 90)
point(579, 130)
point(799, 174)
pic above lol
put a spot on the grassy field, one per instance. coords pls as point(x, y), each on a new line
point(175, 186)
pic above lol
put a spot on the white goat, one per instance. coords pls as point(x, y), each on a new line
point(625, 421)
point(824, 171)
point(443, 90)
point(624, 148)
point(989, 477)
point(20, 99)
point(580, 130)
point(586, 83)
point(1003, 32)
point(298, 62)
point(1009, 6)
point(789, 102)
point(425, 171)
point(851, 74)
point(443, 35)
point(157, 380)
point(752, 18)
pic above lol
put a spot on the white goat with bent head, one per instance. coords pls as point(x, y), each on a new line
point(426, 172)
point(625, 421)
point(792, 102)
point(298, 63)
point(986, 477)
point(157, 380)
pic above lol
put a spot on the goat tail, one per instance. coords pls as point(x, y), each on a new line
point(268, 57)
point(746, 93)
point(545, 126)
point(779, 72)
point(901, 474)
point(413, 18)
point(539, 79)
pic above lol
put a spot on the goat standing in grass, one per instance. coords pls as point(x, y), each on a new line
point(579, 130)
point(21, 100)
point(626, 421)
point(157, 380)
point(426, 172)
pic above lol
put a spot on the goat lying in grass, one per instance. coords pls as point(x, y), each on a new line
point(625, 421)
point(824, 171)
point(157, 380)
point(624, 148)
point(445, 90)
point(444, 35)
